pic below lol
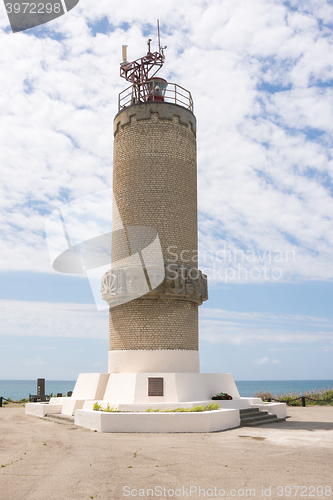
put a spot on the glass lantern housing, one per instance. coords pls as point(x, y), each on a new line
point(156, 88)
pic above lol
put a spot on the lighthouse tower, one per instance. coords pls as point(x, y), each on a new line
point(154, 287)
point(154, 301)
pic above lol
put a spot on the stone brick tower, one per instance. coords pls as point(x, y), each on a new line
point(154, 186)
point(154, 287)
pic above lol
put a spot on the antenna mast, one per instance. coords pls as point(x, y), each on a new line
point(143, 69)
point(158, 34)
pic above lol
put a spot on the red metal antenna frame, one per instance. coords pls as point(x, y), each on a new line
point(137, 72)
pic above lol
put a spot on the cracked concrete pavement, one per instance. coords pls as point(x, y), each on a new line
point(43, 460)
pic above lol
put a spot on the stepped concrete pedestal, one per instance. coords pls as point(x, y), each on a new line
point(128, 393)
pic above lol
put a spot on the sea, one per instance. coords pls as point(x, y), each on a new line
point(20, 389)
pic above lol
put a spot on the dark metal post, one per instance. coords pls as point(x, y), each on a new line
point(303, 400)
point(0, 402)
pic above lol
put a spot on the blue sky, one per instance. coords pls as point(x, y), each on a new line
point(261, 76)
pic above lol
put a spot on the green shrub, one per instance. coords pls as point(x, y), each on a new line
point(314, 398)
point(265, 396)
point(327, 396)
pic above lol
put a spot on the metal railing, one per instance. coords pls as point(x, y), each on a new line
point(138, 93)
point(302, 398)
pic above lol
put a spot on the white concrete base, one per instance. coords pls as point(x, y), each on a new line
point(166, 361)
point(239, 404)
point(65, 406)
point(278, 409)
point(90, 386)
point(208, 421)
point(70, 405)
point(132, 388)
point(57, 401)
point(128, 392)
point(42, 409)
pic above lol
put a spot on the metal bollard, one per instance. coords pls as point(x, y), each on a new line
point(0, 402)
point(303, 401)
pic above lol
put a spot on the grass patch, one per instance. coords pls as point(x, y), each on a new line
point(108, 408)
point(7, 401)
point(314, 398)
point(209, 407)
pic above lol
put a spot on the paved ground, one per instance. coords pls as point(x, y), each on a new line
point(42, 460)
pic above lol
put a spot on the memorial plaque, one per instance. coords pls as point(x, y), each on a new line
point(155, 386)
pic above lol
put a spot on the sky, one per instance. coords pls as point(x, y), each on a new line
point(261, 76)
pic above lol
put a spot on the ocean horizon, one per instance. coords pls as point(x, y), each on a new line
point(20, 389)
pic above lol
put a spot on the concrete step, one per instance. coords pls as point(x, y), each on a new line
point(259, 418)
point(253, 417)
point(254, 414)
point(59, 418)
point(264, 422)
point(249, 412)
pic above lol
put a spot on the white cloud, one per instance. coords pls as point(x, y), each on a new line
point(264, 317)
point(45, 319)
point(265, 167)
point(38, 361)
point(265, 361)
point(238, 328)
point(328, 348)
point(261, 361)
